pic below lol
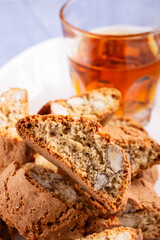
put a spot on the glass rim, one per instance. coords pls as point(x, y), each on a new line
point(154, 31)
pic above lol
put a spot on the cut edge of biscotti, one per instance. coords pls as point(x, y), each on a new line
point(96, 104)
point(116, 234)
point(142, 209)
point(84, 152)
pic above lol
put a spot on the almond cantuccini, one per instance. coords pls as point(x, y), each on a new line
point(13, 105)
point(142, 151)
point(87, 154)
point(95, 105)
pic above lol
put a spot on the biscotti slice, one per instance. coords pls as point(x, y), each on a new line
point(143, 151)
point(95, 105)
point(143, 209)
point(41, 204)
point(84, 152)
point(13, 105)
point(122, 122)
point(151, 174)
point(116, 234)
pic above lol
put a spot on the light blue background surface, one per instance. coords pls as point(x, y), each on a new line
point(24, 23)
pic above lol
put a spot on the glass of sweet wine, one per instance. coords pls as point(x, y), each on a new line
point(115, 44)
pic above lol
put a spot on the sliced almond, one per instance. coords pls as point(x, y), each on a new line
point(76, 101)
point(17, 96)
point(2, 99)
point(58, 109)
point(97, 104)
point(124, 236)
point(115, 157)
point(101, 181)
point(46, 184)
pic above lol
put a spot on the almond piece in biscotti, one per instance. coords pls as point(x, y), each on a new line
point(58, 109)
point(81, 149)
point(75, 101)
point(115, 157)
point(116, 234)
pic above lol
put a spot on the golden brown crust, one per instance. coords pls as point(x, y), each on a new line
point(116, 233)
point(37, 213)
point(143, 209)
point(151, 174)
point(24, 128)
point(108, 98)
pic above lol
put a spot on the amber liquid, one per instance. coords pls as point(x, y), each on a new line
point(132, 66)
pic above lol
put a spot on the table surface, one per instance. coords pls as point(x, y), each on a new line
point(24, 23)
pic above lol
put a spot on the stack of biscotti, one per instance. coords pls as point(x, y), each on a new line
point(107, 182)
point(67, 212)
point(91, 192)
point(143, 207)
point(13, 106)
point(47, 135)
point(61, 140)
point(44, 205)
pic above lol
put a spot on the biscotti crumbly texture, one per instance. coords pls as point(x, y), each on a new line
point(116, 234)
point(143, 209)
point(143, 152)
point(41, 204)
point(13, 105)
point(151, 174)
point(122, 122)
point(95, 105)
point(84, 152)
